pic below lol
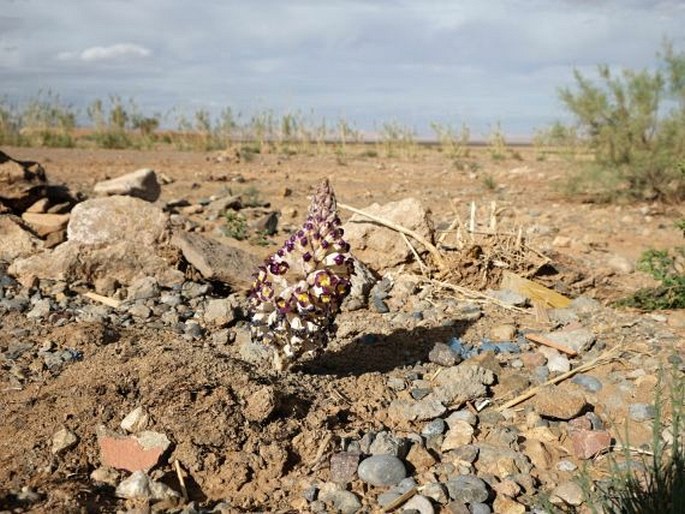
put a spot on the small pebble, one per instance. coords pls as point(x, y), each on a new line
point(641, 411)
point(566, 465)
point(587, 382)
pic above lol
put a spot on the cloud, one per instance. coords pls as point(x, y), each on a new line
point(110, 53)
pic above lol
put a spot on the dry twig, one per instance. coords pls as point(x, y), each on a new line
point(400, 500)
point(475, 295)
point(181, 480)
point(106, 300)
point(606, 356)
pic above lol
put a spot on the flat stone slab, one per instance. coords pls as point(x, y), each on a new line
point(216, 261)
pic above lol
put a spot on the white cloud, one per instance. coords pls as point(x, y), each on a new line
point(115, 52)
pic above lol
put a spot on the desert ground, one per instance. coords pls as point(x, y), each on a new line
point(82, 350)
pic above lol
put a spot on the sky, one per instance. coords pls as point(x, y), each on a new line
point(478, 62)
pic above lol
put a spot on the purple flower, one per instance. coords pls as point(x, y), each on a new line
point(298, 292)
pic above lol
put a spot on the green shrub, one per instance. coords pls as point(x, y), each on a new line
point(637, 141)
point(236, 225)
point(668, 267)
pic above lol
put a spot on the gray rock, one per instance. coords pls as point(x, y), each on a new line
point(361, 282)
point(143, 288)
point(40, 309)
point(267, 223)
point(117, 218)
point(140, 310)
point(385, 443)
point(436, 492)
point(562, 316)
point(508, 297)
point(501, 462)
point(641, 411)
point(379, 305)
point(579, 339)
point(381, 470)
point(114, 237)
point(467, 489)
point(443, 355)
point(381, 247)
point(480, 508)
point(587, 382)
point(410, 410)
point(462, 415)
point(462, 383)
point(435, 427)
point(343, 501)
point(387, 498)
point(139, 485)
point(63, 440)
point(217, 261)
point(141, 184)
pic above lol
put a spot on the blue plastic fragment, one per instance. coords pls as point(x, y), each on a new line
point(466, 351)
point(499, 347)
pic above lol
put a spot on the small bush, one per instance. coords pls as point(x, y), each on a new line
point(236, 226)
point(668, 268)
point(638, 142)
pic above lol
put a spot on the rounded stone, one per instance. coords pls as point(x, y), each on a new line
point(468, 489)
point(382, 470)
point(587, 382)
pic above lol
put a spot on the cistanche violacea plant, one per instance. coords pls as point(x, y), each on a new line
point(297, 292)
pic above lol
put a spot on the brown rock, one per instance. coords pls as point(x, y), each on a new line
point(17, 240)
point(344, 467)
point(504, 332)
point(505, 505)
point(507, 487)
point(260, 404)
point(54, 239)
point(559, 402)
point(380, 247)
point(40, 206)
point(588, 443)
point(44, 224)
point(538, 453)
point(132, 453)
point(459, 434)
point(532, 360)
point(420, 458)
point(217, 261)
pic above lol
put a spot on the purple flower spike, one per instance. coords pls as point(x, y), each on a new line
point(298, 292)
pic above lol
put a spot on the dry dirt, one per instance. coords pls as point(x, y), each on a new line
point(197, 392)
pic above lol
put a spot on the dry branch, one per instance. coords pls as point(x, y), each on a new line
point(399, 228)
point(606, 356)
